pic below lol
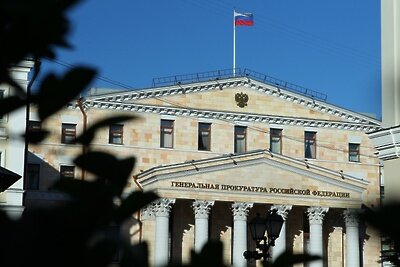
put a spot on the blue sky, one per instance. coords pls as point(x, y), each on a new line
point(331, 46)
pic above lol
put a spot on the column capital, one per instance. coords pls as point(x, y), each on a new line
point(316, 214)
point(240, 210)
point(147, 212)
point(282, 210)
point(202, 208)
point(162, 206)
point(351, 217)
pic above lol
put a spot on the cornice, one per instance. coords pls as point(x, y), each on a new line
point(387, 142)
point(220, 84)
point(231, 116)
point(252, 158)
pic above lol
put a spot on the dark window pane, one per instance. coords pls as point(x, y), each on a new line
point(67, 172)
point(204, 135)
point(33, 176)
point(240, 139)
point(276, 141)
point(116, 134)
point(166, 133)
point(310, 148)
point(68, 133)
point(354, 152)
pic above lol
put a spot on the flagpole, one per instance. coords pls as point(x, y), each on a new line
point(234, 45)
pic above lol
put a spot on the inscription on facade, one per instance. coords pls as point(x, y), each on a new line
point(260, 189)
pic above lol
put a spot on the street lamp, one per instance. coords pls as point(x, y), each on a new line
point(273, 225)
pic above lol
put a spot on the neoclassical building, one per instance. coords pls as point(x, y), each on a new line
point(219, 148)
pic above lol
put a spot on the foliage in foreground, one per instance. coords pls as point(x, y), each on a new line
point(78, 233)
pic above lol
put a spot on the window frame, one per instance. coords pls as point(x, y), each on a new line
point(3, 95)
point(271, 137)
point(34, 126)
point(66, 133)
point(29, 180)
point(314, 144)
point(64, 169)
point(163, 132)
point(204, 127)
point(2, 157)
point(240, 130)
point(357, 152)
point(116, 133)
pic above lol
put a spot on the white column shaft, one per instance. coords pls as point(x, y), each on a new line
point(280, 243)
point(239, 243)
point(161, 244)
point(316, 247)
point(352, 247)
point(315, 217)
point(201, 233)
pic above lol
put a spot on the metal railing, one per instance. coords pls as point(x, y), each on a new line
point(237, 72)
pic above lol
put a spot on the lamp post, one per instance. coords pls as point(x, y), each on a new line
point(272, 224)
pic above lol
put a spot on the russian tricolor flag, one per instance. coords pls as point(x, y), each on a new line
point(243, 19)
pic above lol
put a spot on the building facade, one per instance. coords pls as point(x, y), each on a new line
point(387, 140)
point(12, 147)
point(220, 150)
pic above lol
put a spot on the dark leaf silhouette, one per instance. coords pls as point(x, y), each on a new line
point(56, 92)
point(108, 167)
point(103, 251)
point(288, 259)
point(36, 137)
point(136, 255)
point(133, 203)
point(11, 103)
point(32, 29)
point(89, 134)
point(80, 190)
point(210, 255)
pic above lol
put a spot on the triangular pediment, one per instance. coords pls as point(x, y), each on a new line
point(218, 99)
point(256, 176)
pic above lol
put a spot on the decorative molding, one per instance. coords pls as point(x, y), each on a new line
point(114, 99)
point(387, 142)
point(282, 210)
point(162, 207)
point(250, 159)
point(147, 213)
point(351, 217)
point(240, 210)
point(233, 116)
point(316, 214)
point(202, 208)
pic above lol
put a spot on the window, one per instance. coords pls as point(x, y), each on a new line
point(67, 172)
point(33, 176)
point(310, 145)
point(167, 133)
point(204, 136)
point(116, 134)
point(354, 152)
point(275, 140)
point(1, 97)
point(34, 126)
point(68, 133)
point(240, 139)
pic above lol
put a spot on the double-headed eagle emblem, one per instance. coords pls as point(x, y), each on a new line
point(241, 99)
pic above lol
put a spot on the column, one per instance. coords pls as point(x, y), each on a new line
point(315, 217)
point(280, 242)
point(201, 210)
point(352, 238)
point(240, 211)
point(161, 208)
